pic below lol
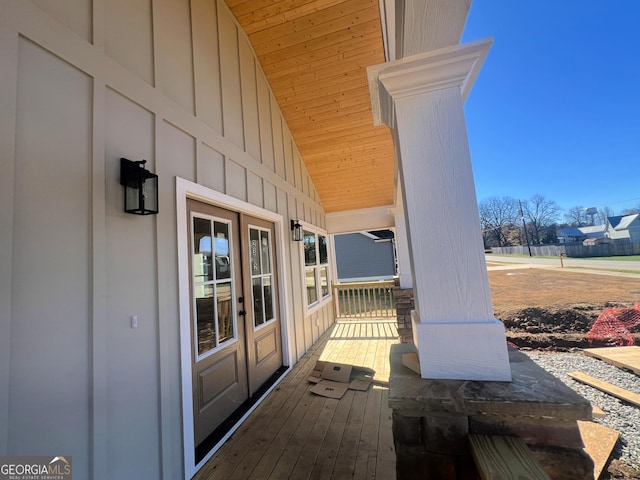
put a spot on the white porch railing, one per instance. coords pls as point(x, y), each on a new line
point(364, 300)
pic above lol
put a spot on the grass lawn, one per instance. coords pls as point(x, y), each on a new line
point(628, 258)
point(621, 258)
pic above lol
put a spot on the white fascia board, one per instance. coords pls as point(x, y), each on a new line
point(362, 220)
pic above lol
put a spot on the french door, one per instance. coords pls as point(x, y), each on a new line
point(264, 339)
point(236, 341)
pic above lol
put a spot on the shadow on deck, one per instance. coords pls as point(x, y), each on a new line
point(295, 434)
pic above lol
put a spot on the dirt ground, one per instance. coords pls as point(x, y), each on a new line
point(554, 309)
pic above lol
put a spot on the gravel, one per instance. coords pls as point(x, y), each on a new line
point(619, 415)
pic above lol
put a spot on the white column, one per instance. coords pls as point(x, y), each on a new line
point(421, 98)
point(405, 275)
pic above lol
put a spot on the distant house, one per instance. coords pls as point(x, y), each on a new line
point(365, 256)
point(579, 234)
point(625, 228)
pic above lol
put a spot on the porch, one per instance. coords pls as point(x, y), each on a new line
point(296, 434)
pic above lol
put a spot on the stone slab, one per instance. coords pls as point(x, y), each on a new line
point(532, 391)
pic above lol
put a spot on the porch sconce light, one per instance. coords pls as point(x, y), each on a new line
point(296, 230)
point(140, 188)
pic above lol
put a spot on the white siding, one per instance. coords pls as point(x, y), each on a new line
point(270, 200)
point(255, 190)
point(207, 63)
point(131, 389)
point(264, 117)
point(231, 90)
point(8, 82)
point(278, 140)
point(236, 180)
point(249, 99)
point(210, 167)
point(83, 84)
point(173, 51)
point(50, 355)
point(74, 14)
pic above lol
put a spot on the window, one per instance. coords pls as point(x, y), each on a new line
point(261, 276)
point(324, 269)
point(212, 284)
point(316, 260)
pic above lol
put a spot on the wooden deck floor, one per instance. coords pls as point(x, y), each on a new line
point(296, 435)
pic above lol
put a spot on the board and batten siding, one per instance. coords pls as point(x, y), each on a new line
point(82, 84)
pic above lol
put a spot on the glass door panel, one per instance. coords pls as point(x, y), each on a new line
point(226, 328)
point(213, 284)
point(261, 275)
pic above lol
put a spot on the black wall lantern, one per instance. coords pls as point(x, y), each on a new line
point(296, 230)
point(140, 188)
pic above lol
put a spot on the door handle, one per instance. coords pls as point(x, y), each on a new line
point(243, 313)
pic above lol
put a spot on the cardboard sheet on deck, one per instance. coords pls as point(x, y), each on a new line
point(334, 379)
point(337, 372)
point(316, 374)
point(330, 389)
point(360, 385)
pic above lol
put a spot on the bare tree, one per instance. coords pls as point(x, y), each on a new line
point(576, 217)
point(539, 213)
point(631, 211)
point(497, 217)
point(604, 213)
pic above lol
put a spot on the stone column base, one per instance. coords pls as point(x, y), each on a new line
point(433, 418)
point(404, 306)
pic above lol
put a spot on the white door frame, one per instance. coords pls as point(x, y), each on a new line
point(186, 189)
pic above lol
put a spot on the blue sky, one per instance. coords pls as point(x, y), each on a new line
point(556, 108)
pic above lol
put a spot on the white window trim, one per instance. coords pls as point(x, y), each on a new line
point(322, 301)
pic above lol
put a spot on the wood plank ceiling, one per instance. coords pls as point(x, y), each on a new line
point(314, 54)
